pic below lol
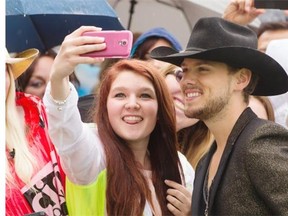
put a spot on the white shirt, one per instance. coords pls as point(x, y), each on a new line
point(79, 146)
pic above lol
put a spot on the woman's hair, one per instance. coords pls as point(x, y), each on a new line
point(16, 142)
point(194, 140)
point(23, 80)
point(267, 105)
point(124, 178)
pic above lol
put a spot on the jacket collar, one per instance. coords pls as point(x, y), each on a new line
point(198, 204)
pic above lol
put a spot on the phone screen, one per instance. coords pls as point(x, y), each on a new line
point(271, 4)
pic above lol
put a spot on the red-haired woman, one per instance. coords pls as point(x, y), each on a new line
point(129, 164)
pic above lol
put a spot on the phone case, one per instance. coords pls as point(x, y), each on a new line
point(118, 44)
point(271, 4)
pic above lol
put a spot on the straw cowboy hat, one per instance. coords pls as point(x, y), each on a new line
point(216, 39)
point(21, 61)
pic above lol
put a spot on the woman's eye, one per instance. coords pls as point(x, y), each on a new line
point(145, 95)
point(36, 84)
point(179, 75)
point(119, 95)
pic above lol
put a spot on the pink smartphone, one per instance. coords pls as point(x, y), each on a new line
point(118, 44)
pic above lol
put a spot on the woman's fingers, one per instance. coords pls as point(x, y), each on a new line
point(179, 198)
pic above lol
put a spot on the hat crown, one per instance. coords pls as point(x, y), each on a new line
point(210, 33)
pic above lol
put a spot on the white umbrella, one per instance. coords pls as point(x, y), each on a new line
point(177, 16)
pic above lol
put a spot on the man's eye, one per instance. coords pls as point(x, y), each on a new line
point(202, 69)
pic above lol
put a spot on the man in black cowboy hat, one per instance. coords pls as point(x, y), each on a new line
point(246, 170)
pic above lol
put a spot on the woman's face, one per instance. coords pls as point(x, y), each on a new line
point(132, 108)
point(174, 87)
point(40, 77)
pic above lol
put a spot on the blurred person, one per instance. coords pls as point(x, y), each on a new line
point(271, 31)
point(133, 148)
point(34, 179)
point(243, 12)
point(151, 39)
point(193, 135)
point(35, 79)
point(245, 171)
point(278, 49)
point(262, 107)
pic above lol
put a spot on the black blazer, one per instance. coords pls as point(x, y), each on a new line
point(252, 178)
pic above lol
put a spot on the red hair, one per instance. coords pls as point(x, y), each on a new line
point(124, 178)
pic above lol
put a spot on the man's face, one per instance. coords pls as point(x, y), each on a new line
point(268, 36)
point(207, 88)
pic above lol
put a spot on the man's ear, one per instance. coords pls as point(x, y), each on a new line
point(243, 77)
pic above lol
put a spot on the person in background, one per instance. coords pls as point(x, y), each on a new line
point(193, 135)
point(278, 49)
point(270, 31)
point(262, 107)
point(151, 39)
point(34, 178)
point(245, 171)
point(132, 150)
point(35, 79)
point(243, 12)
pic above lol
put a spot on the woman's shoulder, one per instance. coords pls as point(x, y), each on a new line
point(188, 171)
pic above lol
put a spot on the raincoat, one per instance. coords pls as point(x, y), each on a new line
point(46, 192)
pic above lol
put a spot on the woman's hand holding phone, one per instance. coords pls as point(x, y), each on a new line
point(118, 43)
point(70, 55)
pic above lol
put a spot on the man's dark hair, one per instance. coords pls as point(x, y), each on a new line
point(248, 90)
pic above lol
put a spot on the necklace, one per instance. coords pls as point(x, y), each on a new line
point(206, 193)
point(206, 190)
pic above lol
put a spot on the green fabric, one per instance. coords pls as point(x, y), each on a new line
point(87, 199)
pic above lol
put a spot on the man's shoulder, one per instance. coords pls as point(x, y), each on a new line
point(262, 133)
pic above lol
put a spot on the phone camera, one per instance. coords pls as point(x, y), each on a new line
point(123, 42)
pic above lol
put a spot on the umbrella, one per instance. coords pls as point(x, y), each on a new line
point(177, 16)
point(43, 24)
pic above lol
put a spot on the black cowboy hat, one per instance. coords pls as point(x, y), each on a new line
point(216, 39)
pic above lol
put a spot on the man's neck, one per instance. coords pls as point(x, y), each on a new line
point(222, 125)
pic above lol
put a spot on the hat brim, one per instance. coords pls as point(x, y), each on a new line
point(273, 79)
point(21, 61)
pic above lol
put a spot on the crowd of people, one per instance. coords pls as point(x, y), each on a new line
point(196, 131)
